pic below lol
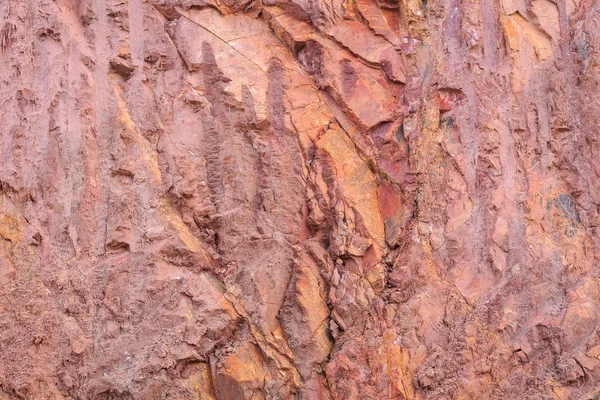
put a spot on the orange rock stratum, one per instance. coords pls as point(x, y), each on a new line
point(299, 199)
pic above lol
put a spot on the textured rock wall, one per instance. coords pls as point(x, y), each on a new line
point(314, 199)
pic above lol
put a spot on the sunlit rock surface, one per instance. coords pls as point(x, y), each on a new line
point(311, 199)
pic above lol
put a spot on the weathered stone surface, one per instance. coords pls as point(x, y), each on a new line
point(324, 199)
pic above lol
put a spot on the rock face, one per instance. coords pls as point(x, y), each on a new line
point(312, 199)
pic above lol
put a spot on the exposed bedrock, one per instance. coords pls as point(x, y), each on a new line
point(311, 199)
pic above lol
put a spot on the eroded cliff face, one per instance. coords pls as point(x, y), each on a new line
point(315, 199)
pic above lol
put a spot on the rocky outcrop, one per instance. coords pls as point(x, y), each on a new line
point(323, 199)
